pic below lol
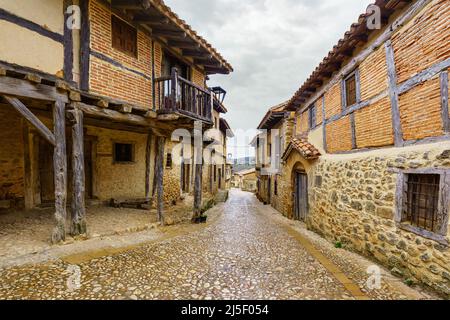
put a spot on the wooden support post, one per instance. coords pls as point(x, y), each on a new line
point(60, 168)
point(159, 176)
point(148, 153)
point(78, 225)
point(174, 90)
point(28, 182)
point(198, 172)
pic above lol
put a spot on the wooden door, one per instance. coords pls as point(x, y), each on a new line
point(46, 172)
point(301, 206)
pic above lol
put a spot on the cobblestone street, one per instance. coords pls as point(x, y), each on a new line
point(244, 252)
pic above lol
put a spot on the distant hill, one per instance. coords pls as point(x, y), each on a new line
point(243, 164)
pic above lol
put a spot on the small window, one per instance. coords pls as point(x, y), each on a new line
point(124, 37)
point(169, 161)
point(351, 96)
point(421, 208)
point(123, 153)
point(312, 117)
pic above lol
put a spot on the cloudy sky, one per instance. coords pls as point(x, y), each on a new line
point(273, 45)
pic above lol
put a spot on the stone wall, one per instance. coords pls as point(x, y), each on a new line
point(354, 201)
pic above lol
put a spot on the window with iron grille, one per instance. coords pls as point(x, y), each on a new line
point(421, 207)
point(124, 36)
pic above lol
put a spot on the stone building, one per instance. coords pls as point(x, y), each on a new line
point(245, 180)
point(369, 162)
point(90, 94)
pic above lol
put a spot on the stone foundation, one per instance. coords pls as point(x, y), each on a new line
point(353, 201)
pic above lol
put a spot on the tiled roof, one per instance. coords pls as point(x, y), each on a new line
point(167, 11)
point(273, 116)
point(306, 149)
point(357, 36)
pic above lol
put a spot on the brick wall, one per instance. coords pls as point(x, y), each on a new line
point(116, 83)
point(113, 81)
point(420, 111)
point(424, 41)
point(339, 135)
point(333, 103)
point(374, 125)
point(373, 74)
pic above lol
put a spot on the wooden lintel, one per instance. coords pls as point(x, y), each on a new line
point(31, 118)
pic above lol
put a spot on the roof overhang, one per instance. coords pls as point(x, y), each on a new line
point(157, 18)
point(225, 128)
point(302, 146)
point(357, 36)
point(271, 119)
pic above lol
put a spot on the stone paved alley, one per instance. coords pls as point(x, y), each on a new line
point(246, 251)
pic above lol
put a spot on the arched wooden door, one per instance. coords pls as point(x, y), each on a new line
point(301, 207)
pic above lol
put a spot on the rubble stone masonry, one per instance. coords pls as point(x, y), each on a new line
point(355, 202)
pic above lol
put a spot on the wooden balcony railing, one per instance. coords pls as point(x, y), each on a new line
point(175, 94)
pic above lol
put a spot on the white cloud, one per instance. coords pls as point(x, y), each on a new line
point(273, 45)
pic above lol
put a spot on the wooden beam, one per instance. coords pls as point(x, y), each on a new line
point(151, 19)
point(393, 94)
point(175, 34)
point(60, 168)
point(183, 44)
point(131, 4)
point(85, 49)
point(27, 181)
point(112, 115)
point(25, 89)
point(197, 54)
point(444, 101)
point(32, 119)
point(148, 153)
point(198, 173)
point(78, 225)
point(159, 176)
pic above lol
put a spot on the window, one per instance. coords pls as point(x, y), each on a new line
point(351, 89)
point(169, 161)
point(124, 37)
point(123, 152)
point(312, 116)
point(421, 208)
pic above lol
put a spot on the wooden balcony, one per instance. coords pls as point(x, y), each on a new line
point(177, 95)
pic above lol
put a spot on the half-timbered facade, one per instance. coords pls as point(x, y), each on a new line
point(90, 93)
point(369, 162)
